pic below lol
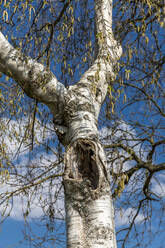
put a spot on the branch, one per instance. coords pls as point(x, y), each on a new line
point(154, 146)
point(59, 17)
point(36, 181)
point(149, 97)
point(107, 45)
point(96, 78)
point(146, 188)
point(52, 27)
point(133, 221)
point(152, 168)
point(34, 78)
point(128, 149)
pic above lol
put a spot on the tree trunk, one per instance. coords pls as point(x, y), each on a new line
point(89, 208)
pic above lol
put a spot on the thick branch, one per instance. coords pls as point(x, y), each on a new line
point(107, 45)
point(37, 81)
point(98, 76)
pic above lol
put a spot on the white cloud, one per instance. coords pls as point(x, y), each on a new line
point(19, 206)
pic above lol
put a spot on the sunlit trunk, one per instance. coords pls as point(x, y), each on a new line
point(89, 208)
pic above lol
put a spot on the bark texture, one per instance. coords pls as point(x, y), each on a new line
point(89, 208)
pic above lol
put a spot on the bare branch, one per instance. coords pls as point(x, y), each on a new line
point(36, 80)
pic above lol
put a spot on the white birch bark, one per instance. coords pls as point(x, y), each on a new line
point(37, 81)
point(89, 208)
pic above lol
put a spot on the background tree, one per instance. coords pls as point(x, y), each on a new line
point(61, 36)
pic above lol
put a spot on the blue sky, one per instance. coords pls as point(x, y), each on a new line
point(11, 233)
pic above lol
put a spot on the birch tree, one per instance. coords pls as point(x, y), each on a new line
point(89, 210)
point(44, 45)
